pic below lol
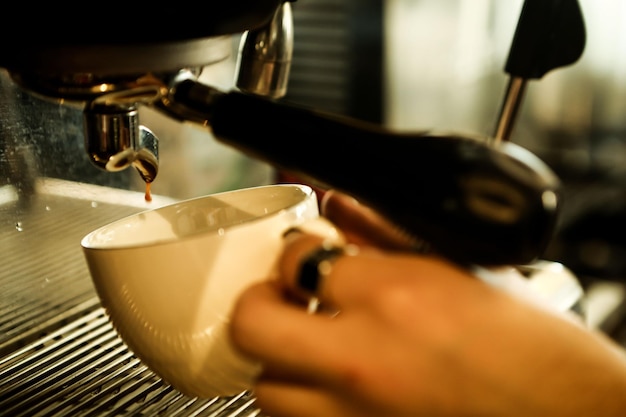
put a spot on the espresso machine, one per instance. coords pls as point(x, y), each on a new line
point(492, 203)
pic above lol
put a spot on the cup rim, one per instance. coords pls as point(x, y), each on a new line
point(87, 244)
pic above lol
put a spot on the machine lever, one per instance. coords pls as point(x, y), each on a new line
point(550, 34)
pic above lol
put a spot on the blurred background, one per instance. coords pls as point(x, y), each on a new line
point(444, 69)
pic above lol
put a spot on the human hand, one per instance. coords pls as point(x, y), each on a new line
point(416, 336)
point(363, 226)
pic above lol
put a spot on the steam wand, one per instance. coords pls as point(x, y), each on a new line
point(549, 34)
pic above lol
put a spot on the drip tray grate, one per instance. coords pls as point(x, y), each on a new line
point(84, 369)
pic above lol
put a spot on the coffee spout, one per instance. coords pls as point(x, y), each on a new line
point(147, 157)
point(114, 140)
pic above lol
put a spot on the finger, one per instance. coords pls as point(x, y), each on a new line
point(284, 337)
point(362, 225)
point(351, 280)
point(286, 399)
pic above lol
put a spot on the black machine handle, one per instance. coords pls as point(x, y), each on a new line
point(473, 202)
point(549, 34)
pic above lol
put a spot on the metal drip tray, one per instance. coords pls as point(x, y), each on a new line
point(59, 355)
point(84, 369)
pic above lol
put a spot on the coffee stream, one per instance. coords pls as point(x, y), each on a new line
point(148, 195)
point(148, 174)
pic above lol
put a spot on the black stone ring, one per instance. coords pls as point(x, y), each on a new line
point(316, 266)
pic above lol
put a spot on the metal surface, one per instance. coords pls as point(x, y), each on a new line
point(116, 59)
point(43, 274)
point(84, 369)
point(265, 56)
point(144, 38)
point(59, 355)
point(510, 109)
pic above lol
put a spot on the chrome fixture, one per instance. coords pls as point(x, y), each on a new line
point(111, 92)
point(265, 56)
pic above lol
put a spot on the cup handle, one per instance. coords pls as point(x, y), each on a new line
point(324, 228)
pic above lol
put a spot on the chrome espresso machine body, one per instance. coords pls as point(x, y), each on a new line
point(486, 203)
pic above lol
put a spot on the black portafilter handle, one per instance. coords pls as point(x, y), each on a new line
point(472, 202)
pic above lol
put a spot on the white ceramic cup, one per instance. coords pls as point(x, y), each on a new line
point(168, 278)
